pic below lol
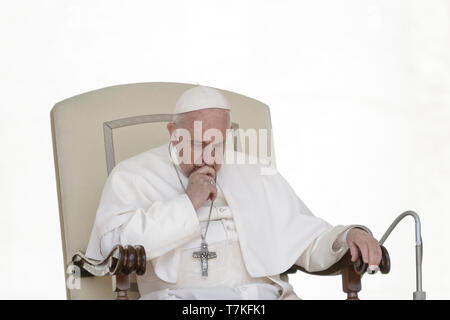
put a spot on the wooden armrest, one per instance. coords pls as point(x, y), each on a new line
point(120, 263)
point(351, 271)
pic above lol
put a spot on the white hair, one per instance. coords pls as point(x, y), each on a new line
point(178, 117)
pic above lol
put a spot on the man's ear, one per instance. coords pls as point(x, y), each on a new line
point(171, 128)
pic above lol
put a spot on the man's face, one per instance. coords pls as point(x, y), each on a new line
point(203, 139)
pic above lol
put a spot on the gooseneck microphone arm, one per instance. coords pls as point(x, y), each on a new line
point(418, 294)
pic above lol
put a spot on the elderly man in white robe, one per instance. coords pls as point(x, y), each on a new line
point(212, 229)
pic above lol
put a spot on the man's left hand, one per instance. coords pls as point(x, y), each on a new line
point(359, 241)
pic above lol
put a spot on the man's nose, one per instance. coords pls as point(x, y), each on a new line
point(206, 157)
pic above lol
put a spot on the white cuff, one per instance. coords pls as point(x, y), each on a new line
point(341, 240)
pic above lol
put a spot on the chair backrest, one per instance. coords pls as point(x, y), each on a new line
point(95, 130)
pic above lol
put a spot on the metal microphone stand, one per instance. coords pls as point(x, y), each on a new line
point(418, 294)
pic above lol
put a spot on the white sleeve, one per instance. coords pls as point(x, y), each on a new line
point(326, 249)
point(341, 240)
point(161, 227)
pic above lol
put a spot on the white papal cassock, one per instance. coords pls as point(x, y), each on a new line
point(259, 228)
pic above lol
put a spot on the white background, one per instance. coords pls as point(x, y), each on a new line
point(358, 90)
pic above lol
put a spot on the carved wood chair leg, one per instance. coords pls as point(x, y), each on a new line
point(121, 285)
point(351, 283)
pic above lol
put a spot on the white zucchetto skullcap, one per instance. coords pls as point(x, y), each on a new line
point(201, 97)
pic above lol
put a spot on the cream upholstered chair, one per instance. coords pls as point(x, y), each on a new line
point(91, 133)
point(94, 131)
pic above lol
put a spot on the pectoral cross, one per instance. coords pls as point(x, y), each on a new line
point(204, 255)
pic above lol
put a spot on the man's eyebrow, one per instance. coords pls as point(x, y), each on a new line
point(193, 140)
point(215, 143)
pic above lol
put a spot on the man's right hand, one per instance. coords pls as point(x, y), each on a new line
point(199, 188)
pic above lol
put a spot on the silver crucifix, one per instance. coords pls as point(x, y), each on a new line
point(204, 255)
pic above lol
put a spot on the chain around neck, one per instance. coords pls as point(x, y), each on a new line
point(184, 189)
